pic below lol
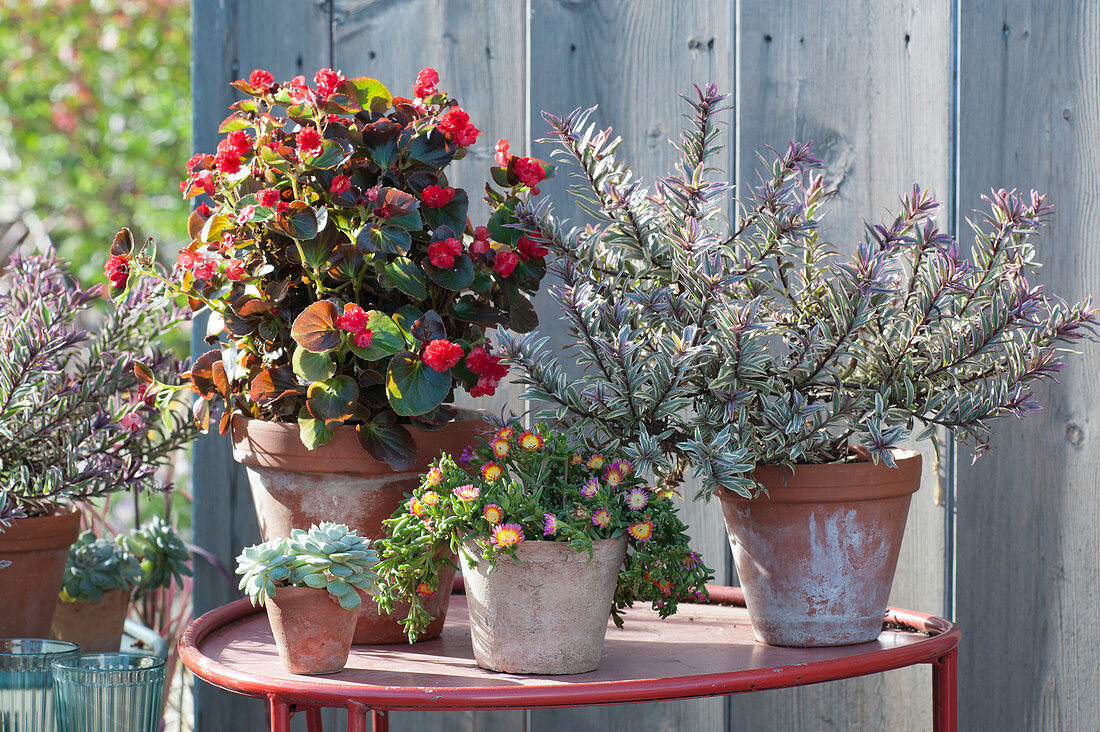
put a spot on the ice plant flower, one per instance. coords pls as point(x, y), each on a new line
point(467, 492)
point(430, 498)
point(424, 590)
point(613, 474)
point(576, 459)
point(492, 513)
point(500, 447)
point(580, 512)
point(601, 517)
point(530, 440)
point(441, 354)
point(416, 508)
point(490, 472)
point(637, 499)
point(549, 524)
point(504, 433)
point(591, 487)
point(433, 476)
point(642, 531)
point(507, 535)
point(596, 461)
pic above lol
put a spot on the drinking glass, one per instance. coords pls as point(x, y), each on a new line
point(109, 692)
point(26, 696)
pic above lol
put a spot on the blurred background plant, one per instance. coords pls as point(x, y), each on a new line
point(95, 117)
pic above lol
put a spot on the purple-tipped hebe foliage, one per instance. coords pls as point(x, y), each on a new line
point(726, 345)
point(73, 420)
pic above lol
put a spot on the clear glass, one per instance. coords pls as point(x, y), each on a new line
point(109, 692)
point(26, 696)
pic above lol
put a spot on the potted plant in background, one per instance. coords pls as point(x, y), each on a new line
point(351, 292)
point(311, 585)
point(555, 538)
point(75, 421)
point(805, 369)
point(103, 576)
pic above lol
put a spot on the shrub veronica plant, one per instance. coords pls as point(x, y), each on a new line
point(728, 344)
point(536, 485)
point(76, 418)
point(339, 264)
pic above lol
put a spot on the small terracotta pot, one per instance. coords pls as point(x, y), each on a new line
point(294, 488)
point(94, 626)
point(546, 613)
point(37, 549)
point(816, 555)
point(311, 630)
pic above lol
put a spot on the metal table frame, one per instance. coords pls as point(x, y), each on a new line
point(938, 647)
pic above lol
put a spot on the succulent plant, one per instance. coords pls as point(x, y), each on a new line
point(328, 556)
point(96, 566)
point(162, 554)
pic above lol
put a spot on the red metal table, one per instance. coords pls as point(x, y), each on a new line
point(705, 650)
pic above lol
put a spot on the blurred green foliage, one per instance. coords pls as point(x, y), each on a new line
point(95, 119)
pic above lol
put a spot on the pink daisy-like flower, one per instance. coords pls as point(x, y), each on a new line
point(506, 535)
point(602, 518)
point(664, 586)
point(613, 475)
point(576, 459)
point(596, 462)
point(416, 508)
point(591, 487)
point(430, 498)
point(490, 472)
point(642, 531)
point(424, 590)
point(505, 433)
point(493, 513)
point(690, 560)
point(434, 476)
point(637, 499)
point(530, 440)
point(467, 492)
point(580, 512)
point(500, 448)
point(549, 524)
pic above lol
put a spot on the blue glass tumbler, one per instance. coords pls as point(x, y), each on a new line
point(109, 692)
point(26, 696)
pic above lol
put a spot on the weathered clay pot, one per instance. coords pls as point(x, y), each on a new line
point(546, 613)
point(37, 549)
point(94, 626)
point(294, 488)
point(816, 555)
point(311, 630)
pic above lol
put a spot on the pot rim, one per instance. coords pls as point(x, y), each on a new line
point(537, 550)
point(835, 482)
point(263, 443)
point(34, 533)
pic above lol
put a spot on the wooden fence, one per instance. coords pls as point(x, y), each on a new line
point(960, 96)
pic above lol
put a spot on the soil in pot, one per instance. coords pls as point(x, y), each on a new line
point(293, 487)
point(816, 554)
point(37, 549)
point(311, 630)
point(546, 613)
point(94, 626)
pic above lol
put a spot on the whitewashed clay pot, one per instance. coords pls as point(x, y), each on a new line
point(546, 613)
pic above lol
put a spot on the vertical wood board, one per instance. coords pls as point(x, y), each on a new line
point(1029, 512)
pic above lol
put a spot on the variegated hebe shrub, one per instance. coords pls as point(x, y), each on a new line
point(724, 346)
point(338, 262)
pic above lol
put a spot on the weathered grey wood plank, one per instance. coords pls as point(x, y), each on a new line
point(479, 50)
point(633, 59)
point(870, 83)
point(1029, 512)
point(229, 39)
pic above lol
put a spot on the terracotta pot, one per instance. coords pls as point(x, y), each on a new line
point(37, 549)
point(94, 626)
point(546, 613)
point(294, 488)
point(311, 630)
point(816, 555)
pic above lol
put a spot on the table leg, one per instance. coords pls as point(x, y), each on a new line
point(945, 693)
point(313, 720)
point(380, 719)
point(280, 715)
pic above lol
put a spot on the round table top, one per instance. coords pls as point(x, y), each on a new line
point(704, 650)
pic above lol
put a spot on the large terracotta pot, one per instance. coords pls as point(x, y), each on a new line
point(294, 488)
point(37, 549)
point(546, 613)
point(816, 555)
point(94, 626)
point(312, 631)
